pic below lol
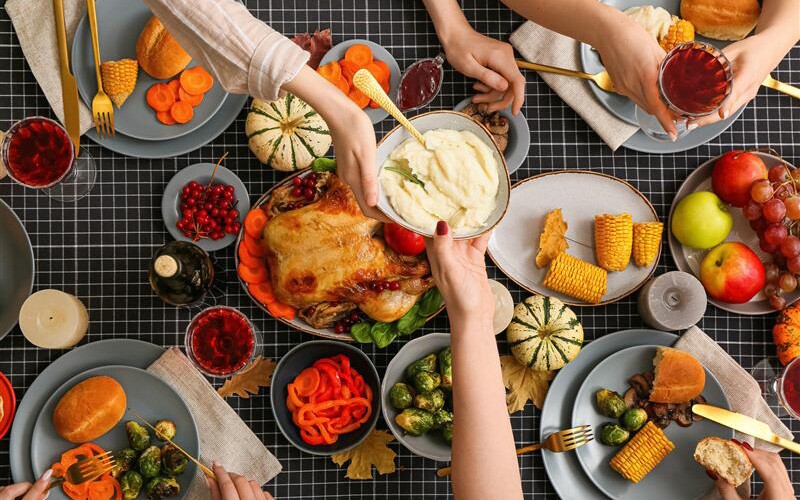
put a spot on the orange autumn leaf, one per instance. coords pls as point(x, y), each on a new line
point(250, 381)
point(371, 451)
point(523, 384)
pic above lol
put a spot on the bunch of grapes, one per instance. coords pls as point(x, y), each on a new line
point(774, 214)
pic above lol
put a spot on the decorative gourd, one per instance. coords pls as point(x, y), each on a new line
point(786, 334)
point(544, 333)
point(286, 134)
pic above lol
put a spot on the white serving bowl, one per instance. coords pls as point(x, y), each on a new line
point(454, 121)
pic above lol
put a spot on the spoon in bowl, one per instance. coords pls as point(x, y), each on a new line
point(369, 86)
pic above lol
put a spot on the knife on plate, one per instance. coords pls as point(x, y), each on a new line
point(744, 424)
point(69, 89)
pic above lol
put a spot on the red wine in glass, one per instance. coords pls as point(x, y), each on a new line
point(38, 153)
point(787, 388)
point(694, 81)
point(221, 341)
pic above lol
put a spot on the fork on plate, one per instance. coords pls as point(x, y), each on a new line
point(102, 108)
point(87, 469)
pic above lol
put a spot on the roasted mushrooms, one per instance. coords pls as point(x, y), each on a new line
point(497, 124)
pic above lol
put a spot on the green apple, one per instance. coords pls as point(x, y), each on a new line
point(701, 220)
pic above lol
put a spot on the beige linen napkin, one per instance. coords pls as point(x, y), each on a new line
point(742, 390)
point(224, 437)
point(35, 26)
point(540, 45)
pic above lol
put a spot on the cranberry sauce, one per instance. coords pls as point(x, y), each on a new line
point(419, 84)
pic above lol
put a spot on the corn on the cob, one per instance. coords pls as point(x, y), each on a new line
point(613, 241)
point(642, 453)
point(680, 31)
point(119, 79)
point(646, 242)
point(577, 278)
point(552, 241)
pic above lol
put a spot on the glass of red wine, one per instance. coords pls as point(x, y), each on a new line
point(38, 154)
point(780, 386)
point(694, 80)
point(221, 341)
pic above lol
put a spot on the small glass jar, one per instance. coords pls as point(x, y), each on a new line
point(221, 341)
point(420, 83)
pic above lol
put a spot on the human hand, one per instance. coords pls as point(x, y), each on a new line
point(230, 486)
point(777, 485)
point(27, 491)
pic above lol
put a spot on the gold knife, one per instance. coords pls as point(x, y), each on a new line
point(744, 424)
point(781, 87)
point(69, 89)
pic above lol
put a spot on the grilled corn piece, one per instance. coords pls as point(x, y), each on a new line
point(646, 242)
point(577, 278)
point(680, 31)
point(642, 453)
point(119, 79)
point(613, 241)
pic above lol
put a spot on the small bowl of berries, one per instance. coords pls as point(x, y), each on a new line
point(205, 204)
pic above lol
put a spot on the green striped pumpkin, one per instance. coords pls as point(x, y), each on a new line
point(544, 333)
point(286, 134)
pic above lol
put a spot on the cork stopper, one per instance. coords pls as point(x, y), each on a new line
point(166, 266)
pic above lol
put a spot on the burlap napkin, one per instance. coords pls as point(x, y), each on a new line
point(224, 437)
point(35, 26)
point(743, 392)
point(540, 45)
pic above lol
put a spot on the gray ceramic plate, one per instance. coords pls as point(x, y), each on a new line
point(623, 108)
point(147, 393)
point(688, 260)
point(16, 268)
point(519, 136)
point(119, 24)
point(581, 195)
point(613, 373)
point(201, 172)
point(104, 352)
point(376, 115)
point(563, 469)
point(430, 445)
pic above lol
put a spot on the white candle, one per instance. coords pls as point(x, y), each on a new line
point(673, 301)
point(52, 319)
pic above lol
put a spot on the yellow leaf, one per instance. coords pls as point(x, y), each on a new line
point(371, 451)
point(523, 384)
point(250, 381)
point(553, 239)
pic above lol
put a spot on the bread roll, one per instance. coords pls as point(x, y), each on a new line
point(724, 458)
point(679, 377)
point(90, 409)
point(722, 19)
point(158, 53)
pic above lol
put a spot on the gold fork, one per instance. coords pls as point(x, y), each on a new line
point(602, 79)
point(561, 441)
point(87, 469)
point(369, 86)
point(102, 109)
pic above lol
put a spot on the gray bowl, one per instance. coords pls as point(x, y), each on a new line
point(430, 445)
point(16, 268)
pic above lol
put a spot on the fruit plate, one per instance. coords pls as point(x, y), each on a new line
point(580, 194)
point(688, 259)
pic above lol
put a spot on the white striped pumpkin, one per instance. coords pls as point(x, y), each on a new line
point(544, 333)
point(286, 134)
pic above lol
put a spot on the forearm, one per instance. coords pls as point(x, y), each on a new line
point(448, 19)
point(779, 27)
point(330, 102)
point(484, 459)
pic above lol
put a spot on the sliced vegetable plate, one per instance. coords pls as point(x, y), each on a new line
point(580, 195)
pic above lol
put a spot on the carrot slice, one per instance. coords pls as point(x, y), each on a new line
point(359, 54)
point(307, 381)
point(385, 67)
point(254, 223)
point(165, 117)
point(160, 97)
point(76, 491)
point(342, 85)
point(359, 98)
point(196, 80)
point(247, 258)
point(262, 292)
point(192, 99)
point(331, 71)
point(376, 71)
point(281, 310)
point(252, 274)
point(373, 104)
point(349, 69)
point(174, 86)
point(254, 246)
point(182, 112)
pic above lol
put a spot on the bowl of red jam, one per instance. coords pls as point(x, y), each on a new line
point(221, 341)
point(420, 83)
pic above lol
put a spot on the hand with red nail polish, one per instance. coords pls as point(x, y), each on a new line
point(771, 469)
point(230, 486)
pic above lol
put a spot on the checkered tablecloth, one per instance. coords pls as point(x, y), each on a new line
point(99, 248)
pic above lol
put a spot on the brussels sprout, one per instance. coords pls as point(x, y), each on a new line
point(446, 367)
point(138, 437)
point(430, 401)
point(447, 432)
point(149, 463)
point(401, 395)
point(613, 435)
point(426, 381)
point(162, 487)
point(165, 430)
point(441, 417)
point(173, 461)
point(415, 421)
point(610, 403)
point(124, 460)
point(426, 364)
point(634, 419)
point(131, 484)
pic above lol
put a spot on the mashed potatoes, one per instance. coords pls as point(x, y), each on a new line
point(459, 173)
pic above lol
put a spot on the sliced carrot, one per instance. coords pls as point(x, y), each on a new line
point(196, 80)
point(192, 99)
point(254, 223)
point(359, 98)
point(252, 274)
point(331, 71)
point(281, 310)
point(307, 381)
point(385, 67)
point(373, 104)
point(359, 54)
point(247, 257)
point(160, 97)
point(349, 69)
point(342, 85)
point(385, 86)
point(254, 246)
point(376, 71)
point(165, 117)
point(175, 86)
point(181, 112)
point(262, 292)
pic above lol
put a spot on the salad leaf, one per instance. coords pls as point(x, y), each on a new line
point(323, 165)
point(383, 334)
point(430, 302)
point(411, 321)
point(404, 171)
point(361, 333)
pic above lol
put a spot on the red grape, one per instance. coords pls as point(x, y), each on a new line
point(777, 302)
point(758, 225)
point(793, 264)
point(761, 191)
point(772, 290)
point(766, 246)
point(774, 210)
point(778, 173)
point(772, 271)
point(752, 210)
point(787, 282)
point(792, 207)
point(774, 234)
point(790, 247)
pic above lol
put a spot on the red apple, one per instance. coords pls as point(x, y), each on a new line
point(734, 174)
point(732, 273)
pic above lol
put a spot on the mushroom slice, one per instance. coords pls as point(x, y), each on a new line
point(639, 383)
point(682, 414)
point(497, 124)
point(699, 400)
point(632, 399)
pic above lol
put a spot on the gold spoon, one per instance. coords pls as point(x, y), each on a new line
point(369, 86)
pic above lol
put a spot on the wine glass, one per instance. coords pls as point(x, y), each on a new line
point(38, 153)
point(694, 80)
point(780, 386)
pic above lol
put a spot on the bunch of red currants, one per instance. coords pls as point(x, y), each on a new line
point(208, 211)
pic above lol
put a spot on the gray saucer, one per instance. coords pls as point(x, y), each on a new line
point(16, 268)
point(519, 136)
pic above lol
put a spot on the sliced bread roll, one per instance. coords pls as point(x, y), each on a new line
point(679, 377)
point(724, 458)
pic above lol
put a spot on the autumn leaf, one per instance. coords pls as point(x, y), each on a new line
point(250, 381)
point(371, 451)
point(523, 384)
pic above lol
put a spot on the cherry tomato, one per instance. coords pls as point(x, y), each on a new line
point(403, 241)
